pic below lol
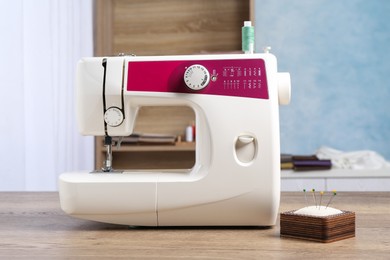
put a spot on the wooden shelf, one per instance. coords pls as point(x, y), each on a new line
point(178, 147)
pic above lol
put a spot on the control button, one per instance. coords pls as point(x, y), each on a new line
point(196, 77)
point(113, 116)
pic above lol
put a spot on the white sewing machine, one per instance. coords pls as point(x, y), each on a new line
point(236, 177)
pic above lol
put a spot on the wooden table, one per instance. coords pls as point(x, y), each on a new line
point(32, 225)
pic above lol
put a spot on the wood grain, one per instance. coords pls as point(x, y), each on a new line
point(320, 229)
point(178, 26)
point(147, 27)
point(164, 120)
point(33, 226)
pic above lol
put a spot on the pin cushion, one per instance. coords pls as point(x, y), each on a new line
point(318, 223)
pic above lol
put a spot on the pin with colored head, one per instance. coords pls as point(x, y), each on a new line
point(304, 192)
point(321, 193)
point(331, 198)
point(314, 196)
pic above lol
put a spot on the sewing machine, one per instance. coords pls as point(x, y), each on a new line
point(236, 177)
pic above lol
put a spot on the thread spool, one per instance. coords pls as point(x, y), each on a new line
point(189, 133)
point(248, 37)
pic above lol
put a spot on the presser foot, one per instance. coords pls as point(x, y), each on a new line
point(107, 164)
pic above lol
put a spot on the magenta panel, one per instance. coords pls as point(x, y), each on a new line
point(241, 78)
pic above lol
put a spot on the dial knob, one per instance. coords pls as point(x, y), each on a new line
point(196, 77)
point(113, 116)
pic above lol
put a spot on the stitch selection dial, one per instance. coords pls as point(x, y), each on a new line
point(196, 77)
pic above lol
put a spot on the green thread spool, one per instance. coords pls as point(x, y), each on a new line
point(248, 37)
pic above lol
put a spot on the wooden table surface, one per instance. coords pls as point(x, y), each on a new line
point(32, 225)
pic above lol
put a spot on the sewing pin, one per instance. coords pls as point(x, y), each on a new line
point(331, 198)
point(304, 191)
point(322, 193)
point(314, 196)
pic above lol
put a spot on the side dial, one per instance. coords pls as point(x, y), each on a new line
point(196, 77)
point(113, 116)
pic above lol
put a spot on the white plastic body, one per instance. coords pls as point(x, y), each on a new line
point(228, 186)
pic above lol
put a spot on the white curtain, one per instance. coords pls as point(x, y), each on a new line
point(40, 42)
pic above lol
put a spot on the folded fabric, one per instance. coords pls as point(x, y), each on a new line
point(357, 160)
point(303, 163)
point(312, 165)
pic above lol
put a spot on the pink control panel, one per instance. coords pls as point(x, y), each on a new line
point(241, 78)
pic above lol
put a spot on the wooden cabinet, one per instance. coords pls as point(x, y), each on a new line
point(168, 27)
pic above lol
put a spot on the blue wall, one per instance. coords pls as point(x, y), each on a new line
point(338, 54)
